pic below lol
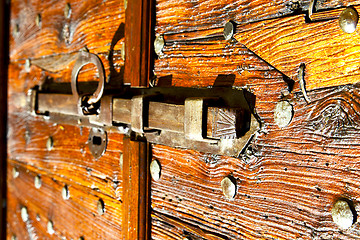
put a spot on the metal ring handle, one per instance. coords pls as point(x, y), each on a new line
point(83, 59)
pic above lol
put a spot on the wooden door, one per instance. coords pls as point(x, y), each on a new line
point(297, 177)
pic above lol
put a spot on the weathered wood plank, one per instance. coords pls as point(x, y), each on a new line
point(72, 218)
point(287, 181)
point(97, 25)
point(210, 14)
point(330, 55)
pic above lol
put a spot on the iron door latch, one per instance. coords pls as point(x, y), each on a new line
point(217, 120)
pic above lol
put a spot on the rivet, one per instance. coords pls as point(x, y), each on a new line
point(24, 214)
point(27, 65)
point(16, 30)
point(38, 20)
point(342, 214)
point(229, 30)
point(15, 172)
point(67, 10)
point(101, 207)
point(155, 170)
point(37, 181)
point(50, 143)
point(13, 237)
point(348, 20)
point(50, 227)
point(228, 187)
point(65, 192)
point(159, 44)
point(283, 113)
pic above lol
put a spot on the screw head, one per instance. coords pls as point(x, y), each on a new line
point(342, 214)
point(65, 192)
point(24, 214)
point(283, 113)
point(228, 187)
point(159, 44)
point(49, 143)
point(67, 10)
point(348, 20)
point(15, 172)
point(229, 30)
point(37, 181)
point(155, 170)
point(50, 227)
point(101, 207)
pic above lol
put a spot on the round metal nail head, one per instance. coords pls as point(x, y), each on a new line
point(50, 228)
point(228, 30)
point(159, 44)
point(228, 188)
point(342, 215)
point(65, 193)
point(283, 113)
point(24, 214)
point(101, 207)
point(348, 20)
point(155, 170)
point(37, 181)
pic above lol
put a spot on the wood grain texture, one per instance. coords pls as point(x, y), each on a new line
point(330, 55)
point(97, 25)
point(70, 217)
point(136, 190)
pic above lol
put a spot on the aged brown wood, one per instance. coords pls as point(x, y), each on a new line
point(4, 60)
point(138, 34)
point(136, 189)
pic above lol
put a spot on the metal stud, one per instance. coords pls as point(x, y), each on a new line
point(100, 207)
point(37, 181)
point(155, 170)
point(283, 113)
point(342, 214)
point(13, 237)
point(38, 20)
point(348, 20)
point(65, 192)
point(24, 214)
point(159, 44)
point(15, 172)
point(229, 30)
point(228, 187)
point(50, 227)
point(49, 143)
point(67, 10)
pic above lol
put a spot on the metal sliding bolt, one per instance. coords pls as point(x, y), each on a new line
point(342, 214)
point(348, 20)
point(283, 113)
point(159, 44)
point(37, 181)
point(50, 227)
point(228, 187)
point(155, 170)
point(229, 30)
point(24, 214)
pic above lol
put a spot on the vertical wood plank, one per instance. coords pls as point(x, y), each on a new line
point(138, 25)
point(135, 190)
point(4, 56)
